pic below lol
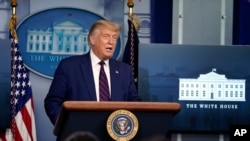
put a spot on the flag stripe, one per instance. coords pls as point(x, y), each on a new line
point(30, 109)
point(26, 117)
point(7, 136)
point(21, 131)
point(31, 113)
point(2, 137)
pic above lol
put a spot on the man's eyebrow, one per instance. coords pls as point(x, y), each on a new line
point(106, 34)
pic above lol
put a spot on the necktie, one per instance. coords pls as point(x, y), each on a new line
point(103, 84)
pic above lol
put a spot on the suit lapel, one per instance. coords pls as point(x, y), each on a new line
point(86, 69)
point(115, 79)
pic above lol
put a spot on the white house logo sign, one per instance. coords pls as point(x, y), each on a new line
point(212, 87)
point(46, 37)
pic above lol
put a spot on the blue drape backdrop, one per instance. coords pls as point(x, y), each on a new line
point(241, 22)
point(161, 21)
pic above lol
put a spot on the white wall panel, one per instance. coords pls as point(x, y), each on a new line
point(207, 22)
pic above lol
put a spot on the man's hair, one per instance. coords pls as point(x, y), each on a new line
point(98, 25)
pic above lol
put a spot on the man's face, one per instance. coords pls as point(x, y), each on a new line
point(104, 43)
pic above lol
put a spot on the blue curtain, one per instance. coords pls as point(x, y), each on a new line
point(241, 22)
point(161, 21)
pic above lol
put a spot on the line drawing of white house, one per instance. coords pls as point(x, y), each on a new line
point(212, 87)
point(63, 38)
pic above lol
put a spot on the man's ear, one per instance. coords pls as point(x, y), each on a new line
point(92, 39)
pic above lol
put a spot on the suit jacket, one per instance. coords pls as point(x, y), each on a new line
point(74, 81)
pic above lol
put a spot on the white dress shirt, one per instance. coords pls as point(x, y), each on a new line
point(96, 72)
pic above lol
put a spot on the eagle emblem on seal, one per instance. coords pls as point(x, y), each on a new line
point(123, 125)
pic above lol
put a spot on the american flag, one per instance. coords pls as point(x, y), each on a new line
point(22, 126)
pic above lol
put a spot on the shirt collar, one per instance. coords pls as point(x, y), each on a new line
point(95, 60)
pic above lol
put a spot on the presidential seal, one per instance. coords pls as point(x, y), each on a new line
point(122, 125)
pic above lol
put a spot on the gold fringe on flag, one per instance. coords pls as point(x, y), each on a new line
point(13, 19)
point(12, 24)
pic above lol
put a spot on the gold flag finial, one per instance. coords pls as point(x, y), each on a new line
point(130, 6)
point(130, 3)
point(13, 5)
point(13, 20)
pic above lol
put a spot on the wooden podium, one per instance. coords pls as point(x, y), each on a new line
point(154, 118)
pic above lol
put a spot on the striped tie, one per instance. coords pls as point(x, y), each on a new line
point(103, 84)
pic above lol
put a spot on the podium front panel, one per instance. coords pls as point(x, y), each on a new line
point(150, 124)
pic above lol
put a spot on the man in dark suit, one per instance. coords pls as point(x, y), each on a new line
point(77, 78)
